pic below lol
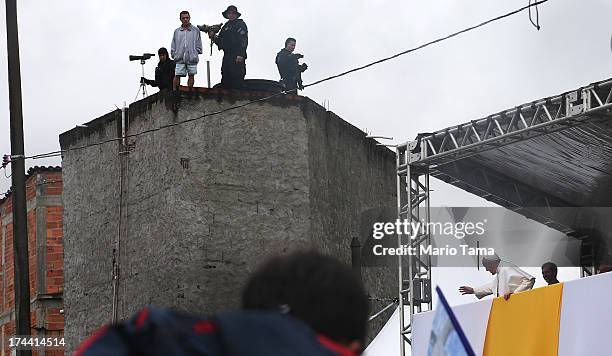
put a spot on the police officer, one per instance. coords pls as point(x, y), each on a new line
point(233, 41)
point(288, 67)
point(164, 72)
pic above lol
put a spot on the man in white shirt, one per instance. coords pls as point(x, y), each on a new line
point(508, 279)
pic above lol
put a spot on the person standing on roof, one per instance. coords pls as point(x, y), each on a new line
point(288, 66)
point(164, 72)
point(186, 47)
point(509, 279)
point(233, 41)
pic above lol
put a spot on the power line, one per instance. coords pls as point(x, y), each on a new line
point(430, 43)
point(441, 39)
point(536, 24)
point(59, 153)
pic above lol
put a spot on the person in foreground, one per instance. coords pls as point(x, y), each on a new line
point(508, 279)
point(300, 304)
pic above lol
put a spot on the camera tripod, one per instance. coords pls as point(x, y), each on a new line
point(143, 85)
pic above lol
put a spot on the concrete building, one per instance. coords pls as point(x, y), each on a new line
point(183, 211)
point(45, 234)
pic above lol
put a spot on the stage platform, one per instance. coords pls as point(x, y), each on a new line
point(559, 323)
point(541, 159)
point(549, 160)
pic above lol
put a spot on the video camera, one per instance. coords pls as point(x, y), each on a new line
point(144, 57)
point(210, 29)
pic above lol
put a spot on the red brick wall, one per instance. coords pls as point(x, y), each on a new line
point(53, 320)
point(55, 250)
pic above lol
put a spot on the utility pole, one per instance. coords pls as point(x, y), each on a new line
point(20, 223)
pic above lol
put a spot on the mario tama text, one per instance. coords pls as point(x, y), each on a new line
point(412, 230)
point(446, 250)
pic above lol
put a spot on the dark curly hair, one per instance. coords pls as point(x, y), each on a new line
point(317, 289)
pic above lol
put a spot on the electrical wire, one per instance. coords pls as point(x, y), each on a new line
point(441, 39)
point(379, 299)
point(59, 153)
point(537, 23)
point(429, 43)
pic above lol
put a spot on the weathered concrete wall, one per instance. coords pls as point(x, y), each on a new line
point(350, 177)
point(197, 232)
point(91, 191)
point(205, 202)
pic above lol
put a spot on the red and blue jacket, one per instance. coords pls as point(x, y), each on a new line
point(155, 331)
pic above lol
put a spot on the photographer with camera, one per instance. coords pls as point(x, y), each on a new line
point(164, 72)
point(186, 47)
point(288, 66)
point(233, 41)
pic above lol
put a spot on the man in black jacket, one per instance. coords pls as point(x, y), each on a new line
point(164, 72)
point(288, 67)
point(233, 41)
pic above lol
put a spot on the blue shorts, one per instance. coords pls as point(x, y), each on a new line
point(183, 69)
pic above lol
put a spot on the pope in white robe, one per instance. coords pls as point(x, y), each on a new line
point(508, 279)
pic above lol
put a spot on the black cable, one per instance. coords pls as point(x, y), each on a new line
point(59, 153)
point(378, 299)
point(429, 43)
point(529, 6)
point(537, 23)
point(205, 115)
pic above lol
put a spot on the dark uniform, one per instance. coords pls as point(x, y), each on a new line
point(164, 75)
point(233, 41)
point(289, 69)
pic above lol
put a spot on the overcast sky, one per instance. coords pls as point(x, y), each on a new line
point(74, 60)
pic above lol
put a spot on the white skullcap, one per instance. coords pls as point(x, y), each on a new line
point(491, 258)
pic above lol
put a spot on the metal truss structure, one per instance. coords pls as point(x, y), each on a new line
point(523, 122)
point(468, 156)
point(414, 270)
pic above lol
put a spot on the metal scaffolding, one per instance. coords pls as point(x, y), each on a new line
point(479, 156)
point(414, 270)
point(591, 103)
